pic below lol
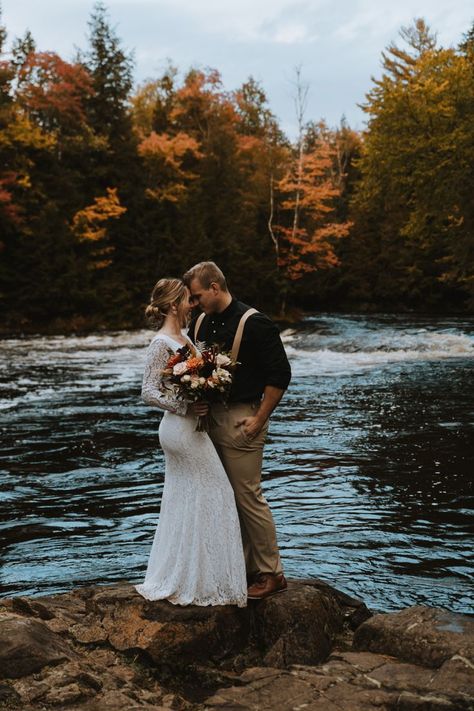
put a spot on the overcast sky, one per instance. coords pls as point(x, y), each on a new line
point(337, 42)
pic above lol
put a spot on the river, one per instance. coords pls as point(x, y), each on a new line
point(368, 467)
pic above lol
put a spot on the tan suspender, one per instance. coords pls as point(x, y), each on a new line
point(197, 325)
point(238, 334)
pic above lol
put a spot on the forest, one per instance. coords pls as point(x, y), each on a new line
point(106, 186)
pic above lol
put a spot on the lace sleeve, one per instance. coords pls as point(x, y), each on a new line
point(156, 359)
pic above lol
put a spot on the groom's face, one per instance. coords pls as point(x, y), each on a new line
point(206, 299)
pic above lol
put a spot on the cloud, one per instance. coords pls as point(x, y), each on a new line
point(291, 34)
point(338, 43)
point(381, 22)
point(279, 21)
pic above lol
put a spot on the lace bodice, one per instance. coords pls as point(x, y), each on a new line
point(157, 356)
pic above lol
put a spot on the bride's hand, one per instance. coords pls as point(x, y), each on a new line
point(200, 408)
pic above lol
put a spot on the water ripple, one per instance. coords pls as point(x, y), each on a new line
point(368, 466)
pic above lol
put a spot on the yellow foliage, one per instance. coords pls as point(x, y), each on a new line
point(86, 223)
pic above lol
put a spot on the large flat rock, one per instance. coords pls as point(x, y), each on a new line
point(28, 645)
point(353, 681)
point(422, 635)
point(108, 649)
point(79, 645)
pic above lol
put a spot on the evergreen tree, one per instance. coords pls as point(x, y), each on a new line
point(413, 206)
point(111, 69)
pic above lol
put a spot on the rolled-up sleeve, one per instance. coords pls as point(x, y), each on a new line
point(272, 358)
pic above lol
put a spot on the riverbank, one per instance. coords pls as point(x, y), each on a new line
point(100, 648)
point(80, 325)
point(86, 325)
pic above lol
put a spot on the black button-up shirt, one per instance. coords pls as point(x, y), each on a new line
point(262, 358)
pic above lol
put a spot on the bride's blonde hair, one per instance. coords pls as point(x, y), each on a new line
point(166, 292)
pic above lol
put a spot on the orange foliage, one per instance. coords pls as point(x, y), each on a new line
point(165, 155)
point(201, 100)
point(249, 143)
point(307, 193)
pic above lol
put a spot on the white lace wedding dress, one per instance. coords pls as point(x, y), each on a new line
point(197, 556)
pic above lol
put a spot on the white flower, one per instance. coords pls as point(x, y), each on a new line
point(223, 375)
point(180, 368)
point(202, 381)
point(222, 360)
point(185, 378)
point(195, 384)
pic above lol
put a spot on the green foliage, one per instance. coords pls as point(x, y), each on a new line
point(413, 206)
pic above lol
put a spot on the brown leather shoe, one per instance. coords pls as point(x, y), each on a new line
point(252, 578)
point(266, 585)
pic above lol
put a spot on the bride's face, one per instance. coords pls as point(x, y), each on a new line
point(184, 309)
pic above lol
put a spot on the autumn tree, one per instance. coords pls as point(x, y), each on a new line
point(89, 225)
point(53, 92)
point(306, 229)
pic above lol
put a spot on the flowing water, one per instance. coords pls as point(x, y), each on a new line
point(368, 466)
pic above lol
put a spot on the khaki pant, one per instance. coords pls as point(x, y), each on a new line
point(242, 460)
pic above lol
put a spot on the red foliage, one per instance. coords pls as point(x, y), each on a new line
point(53, 89)
point(7, 206)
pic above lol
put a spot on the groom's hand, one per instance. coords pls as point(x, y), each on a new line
point(252, 426)
point(200, 408)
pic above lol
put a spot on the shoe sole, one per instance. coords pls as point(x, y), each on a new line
point(264, 597)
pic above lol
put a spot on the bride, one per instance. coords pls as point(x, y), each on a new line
point(197, 556)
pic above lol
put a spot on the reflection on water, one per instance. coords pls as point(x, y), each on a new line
point(368, 465)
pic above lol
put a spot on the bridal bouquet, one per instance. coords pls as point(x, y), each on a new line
point(204, 375)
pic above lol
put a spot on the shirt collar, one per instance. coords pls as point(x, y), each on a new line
point(228, 311)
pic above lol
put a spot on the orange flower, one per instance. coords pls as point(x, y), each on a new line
point(173, 360)
point(194, 363)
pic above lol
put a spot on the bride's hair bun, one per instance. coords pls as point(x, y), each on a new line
point(166, 292)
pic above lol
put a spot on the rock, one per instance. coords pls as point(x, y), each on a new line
point(280, 690)
point(116, 700)
point(348, 681)
point(169, 634)
point(423, 635)
point(8, 695)
point(31, 607)
point(264, 689)
point(298, 627)
point(393, 675)
point(108, 649)
point(64, 695)
point(455, 676)
point(27, 645)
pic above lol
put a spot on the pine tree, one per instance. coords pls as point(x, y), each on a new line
point(111, 69)
point(415, 195)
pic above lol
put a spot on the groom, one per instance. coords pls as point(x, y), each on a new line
point(260, 380)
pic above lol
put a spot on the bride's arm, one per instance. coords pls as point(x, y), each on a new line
point(156, 359)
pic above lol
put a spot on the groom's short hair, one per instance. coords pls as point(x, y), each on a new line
point(206, 273)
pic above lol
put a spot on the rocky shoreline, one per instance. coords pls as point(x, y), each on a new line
point(108, 649)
